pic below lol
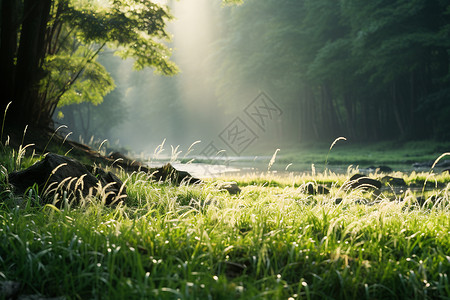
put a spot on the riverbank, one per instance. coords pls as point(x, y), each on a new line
point(405, 157)
point(273, 239)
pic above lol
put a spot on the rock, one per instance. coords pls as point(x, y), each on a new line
point(423, 200)
point(56, 173)
point(9, 289)
point(113, 184)
point(312, 188)
point(393, 181)
point(118, 155)
point(376, 194)
point(427, 164)
point(231, 187)
point(123, 161)
point(362, 181)
point(362, 201)
point(443, 164)
point(164, 173)
point(50, 172)
point(169, 173)
point(233, 270)
point(381, 169)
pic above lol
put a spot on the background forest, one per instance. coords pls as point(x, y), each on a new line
point(367, 70)
point(367, 221)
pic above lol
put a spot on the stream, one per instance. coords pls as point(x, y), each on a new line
point(245, 165)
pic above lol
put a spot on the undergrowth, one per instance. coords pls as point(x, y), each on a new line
point(271, 241)
point(195, 242)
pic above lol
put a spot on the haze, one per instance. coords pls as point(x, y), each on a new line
point(288, 73)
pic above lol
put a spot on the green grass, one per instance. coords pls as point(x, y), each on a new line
point(399, 156)
point(348, 152)
point(272, 241)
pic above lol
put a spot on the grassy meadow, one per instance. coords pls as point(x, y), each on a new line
point(271, 241)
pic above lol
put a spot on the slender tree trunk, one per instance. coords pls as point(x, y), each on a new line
point(395, 107)
point(348, 105)
point(315, 116)
point(329, 114)
point(325, 120)
point(412, 106)
point(302, 116)
point(8, 49)
point(334, 115)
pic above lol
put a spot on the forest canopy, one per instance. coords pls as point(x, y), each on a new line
point(49, 50)
point(368, 70)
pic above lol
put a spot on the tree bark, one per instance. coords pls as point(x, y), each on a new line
point(25, 107)
point(8, 49)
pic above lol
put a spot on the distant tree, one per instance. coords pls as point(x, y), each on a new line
point(367, 70)
point(405, 50)
point(98, 120)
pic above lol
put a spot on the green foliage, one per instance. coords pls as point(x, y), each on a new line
point(363, 70)
point(196, 242)
point(131, 29)
point(74, 75)
point(91, 86)
point(437, 111)
point(59, 41)
point(272, 240)
point(135, 27)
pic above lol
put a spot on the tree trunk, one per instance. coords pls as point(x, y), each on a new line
point(8, 49)
point(334, 115)
point(395, 107)
point(25, 107)
point(314, 114)
point(350, 121)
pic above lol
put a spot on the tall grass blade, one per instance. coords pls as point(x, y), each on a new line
point(341, 138)
point(3, 122)
point(272, 160)
point(48, 143)
point(439, 158)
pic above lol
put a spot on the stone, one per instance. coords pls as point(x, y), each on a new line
point(443, 164)
point(429, 164)
point(233, 269)
point(113, 184)
point(423, 200)
point(362, 181)
point(338, 201)
point(9, 289)
point(418, 165)
point(57, 173)
point(312, 188)
point(231, 187)
point(123, 161)
point(169, 173)
point(361, 201)
point(166, 173)
point(393, 181)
